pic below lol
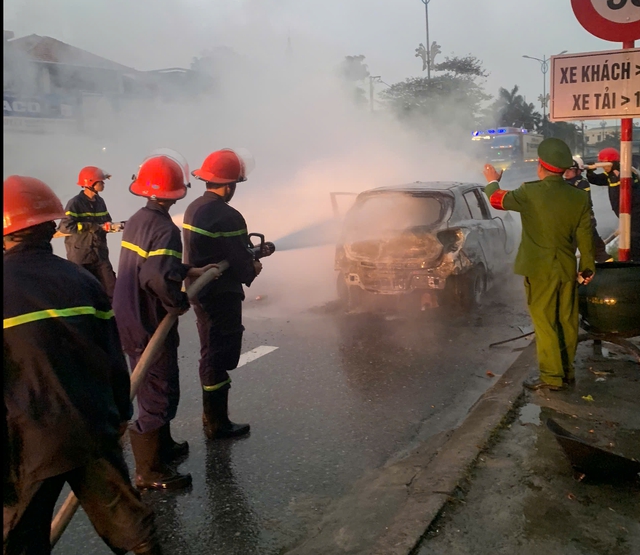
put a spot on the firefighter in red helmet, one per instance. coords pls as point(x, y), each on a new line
point(149, 286)
point(610, 177)
point(86, 224)
point(66, 388)
point(214, 231)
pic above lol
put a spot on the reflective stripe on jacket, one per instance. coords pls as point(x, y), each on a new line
point(150, 276)
point(66, 383)
point(612, 181)
point(87, 241)
point(214, 231)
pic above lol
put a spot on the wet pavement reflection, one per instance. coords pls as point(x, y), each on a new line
point(341, 395)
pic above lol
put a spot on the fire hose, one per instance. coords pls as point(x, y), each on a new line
point(265, 248)
point(71, 503)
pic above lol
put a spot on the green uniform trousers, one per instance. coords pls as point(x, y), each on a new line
point(553, 305)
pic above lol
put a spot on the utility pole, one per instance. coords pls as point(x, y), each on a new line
point(428, 45)
point(544, 67)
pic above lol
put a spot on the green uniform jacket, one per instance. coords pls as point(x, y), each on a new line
point(556, 217)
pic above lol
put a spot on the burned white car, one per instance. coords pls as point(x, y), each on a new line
point(425, 244)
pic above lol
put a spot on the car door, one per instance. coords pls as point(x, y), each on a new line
point(473, 244)
point(491, 236)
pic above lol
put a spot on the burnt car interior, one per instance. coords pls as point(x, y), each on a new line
point(434, 241)
point(380, 216)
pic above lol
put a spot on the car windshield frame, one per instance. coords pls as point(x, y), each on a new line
point(444, 198)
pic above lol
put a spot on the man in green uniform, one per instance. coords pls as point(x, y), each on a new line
point(555, 218)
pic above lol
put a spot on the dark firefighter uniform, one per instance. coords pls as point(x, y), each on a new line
point(555, 216)
point(600, 248)
point(612, 181)
point(149, 286)
point(66, 395)
point(214, 231)
point(86, 243)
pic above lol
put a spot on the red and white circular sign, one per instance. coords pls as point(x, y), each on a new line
point(613, 20)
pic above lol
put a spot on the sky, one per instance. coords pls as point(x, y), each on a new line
point(151, 34)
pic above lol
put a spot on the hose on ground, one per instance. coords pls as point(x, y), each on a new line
point(67, 510)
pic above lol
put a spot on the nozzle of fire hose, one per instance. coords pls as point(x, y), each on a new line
point(262, 251)
point(113, 227)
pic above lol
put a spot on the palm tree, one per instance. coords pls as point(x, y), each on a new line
point(511, 110)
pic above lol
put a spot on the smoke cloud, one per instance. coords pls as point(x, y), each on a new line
point(283, 102)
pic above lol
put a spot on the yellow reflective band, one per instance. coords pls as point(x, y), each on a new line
point(87, 214)
point(145, 254)
point(215, 235)
point(217, 386)
point(56, 313)
point(587, 189)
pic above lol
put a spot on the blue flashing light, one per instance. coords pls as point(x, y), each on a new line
point(499, 131)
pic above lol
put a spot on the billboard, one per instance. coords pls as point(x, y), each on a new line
point(39, 113)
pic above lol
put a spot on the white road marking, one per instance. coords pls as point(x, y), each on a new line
point(253, 354)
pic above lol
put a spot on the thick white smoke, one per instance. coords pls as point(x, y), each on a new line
point(287, 107)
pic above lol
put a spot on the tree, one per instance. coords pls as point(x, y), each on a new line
point(570, 133)
point(468, 66)
point(453, 97)
point(511, 110)
point(353, 68)
point(353, 71)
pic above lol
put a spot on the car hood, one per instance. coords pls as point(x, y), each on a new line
point(408, 247)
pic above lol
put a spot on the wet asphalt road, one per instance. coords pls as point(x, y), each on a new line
point(340, 395)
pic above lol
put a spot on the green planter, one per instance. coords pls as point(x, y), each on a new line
point(610, 303)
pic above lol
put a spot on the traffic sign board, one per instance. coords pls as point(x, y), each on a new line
point(595, 85)
point(614, 20)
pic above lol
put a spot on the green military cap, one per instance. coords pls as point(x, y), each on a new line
point(555, 155)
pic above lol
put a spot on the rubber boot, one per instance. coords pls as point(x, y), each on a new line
point(215, 416)
point(170, 450)
point(151, 471)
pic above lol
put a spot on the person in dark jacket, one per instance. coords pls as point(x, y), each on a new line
point(66, 388)
point(610, 178)
point(574, 176)
point(86, 224)
point(214, 231)
point(149, 287)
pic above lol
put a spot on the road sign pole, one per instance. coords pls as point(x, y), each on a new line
point(626, 138)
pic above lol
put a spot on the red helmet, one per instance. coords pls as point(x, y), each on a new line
point(27, 202)
point(159, 178)
point(90, 175)
point(609, 155)
point(222, 166)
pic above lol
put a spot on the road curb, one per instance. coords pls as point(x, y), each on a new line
point(432, 488)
